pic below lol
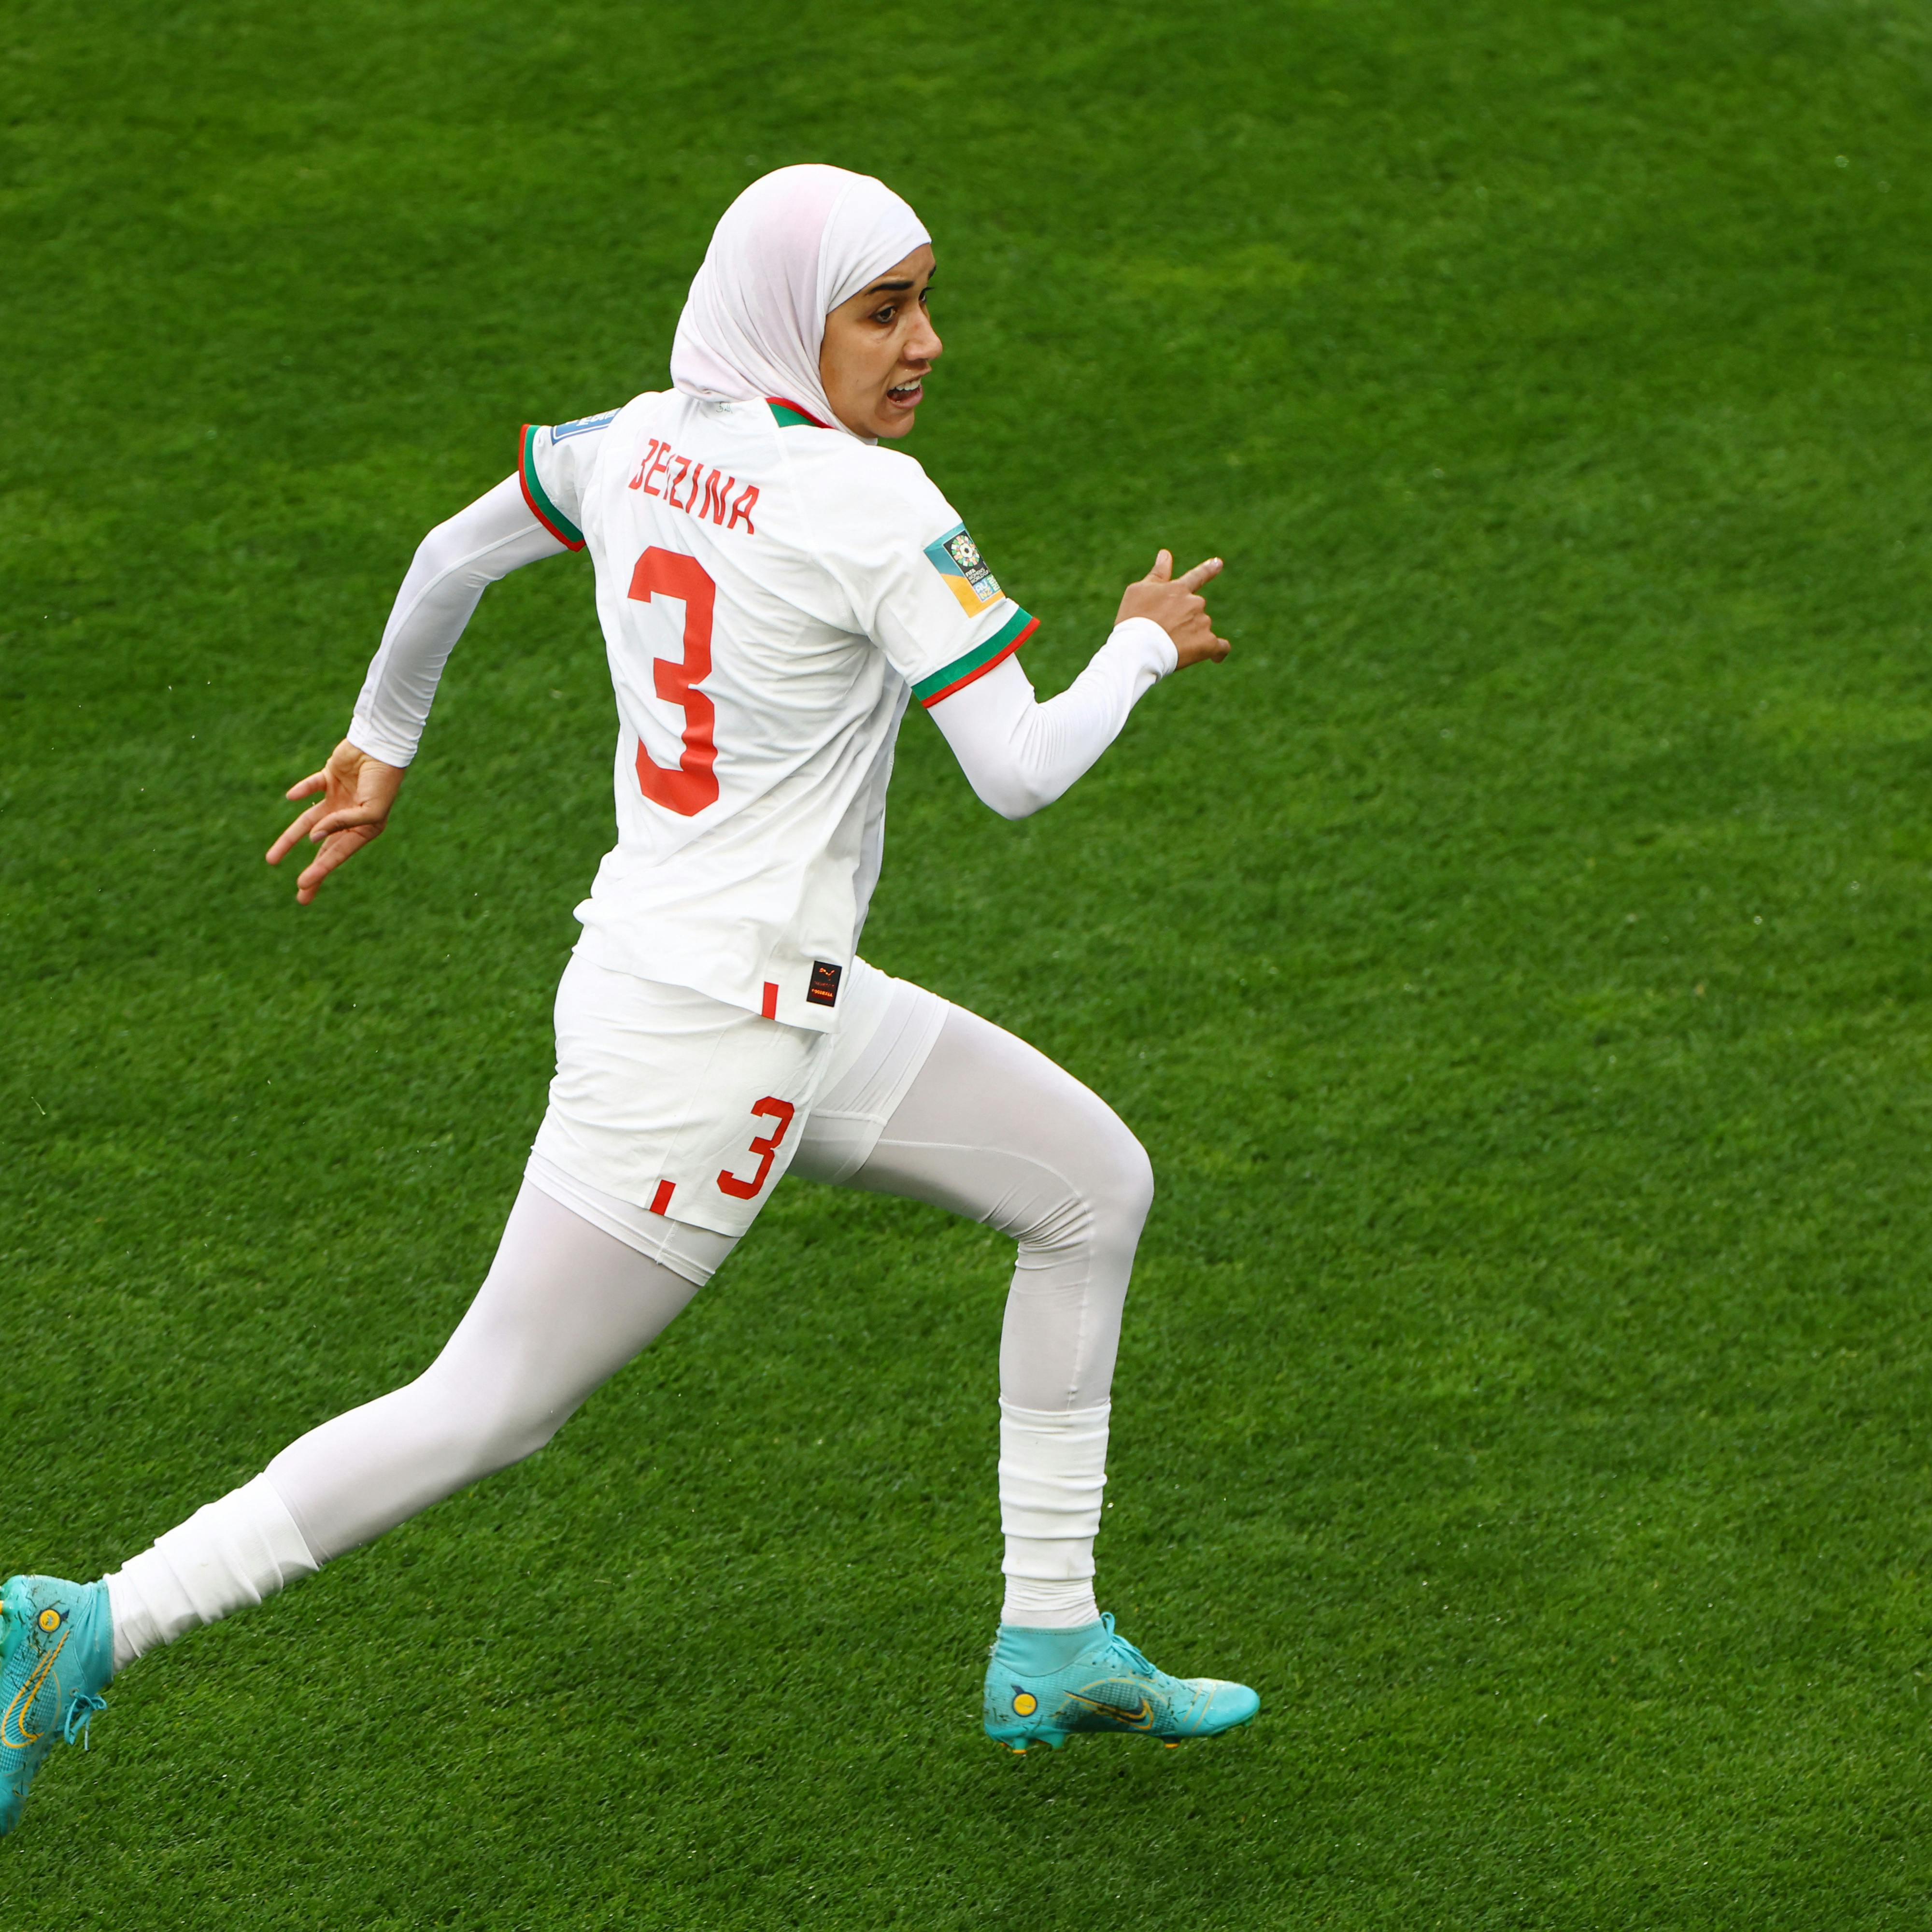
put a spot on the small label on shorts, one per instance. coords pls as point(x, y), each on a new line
point(824, 990)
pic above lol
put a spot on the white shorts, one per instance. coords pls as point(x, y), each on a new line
point(673, 1116)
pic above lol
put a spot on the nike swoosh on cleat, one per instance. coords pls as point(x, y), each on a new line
point(26, 1695)
point(1140, 1720)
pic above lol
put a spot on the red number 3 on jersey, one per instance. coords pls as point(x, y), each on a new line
point(764, 1147)
point(688, 787)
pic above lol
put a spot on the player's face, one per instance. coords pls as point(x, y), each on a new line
point(879, 347)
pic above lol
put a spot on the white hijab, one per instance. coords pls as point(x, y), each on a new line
point(794, 246)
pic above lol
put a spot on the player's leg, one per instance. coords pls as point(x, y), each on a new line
point(564, 1305)
point(942, 1106)
point(637, 1190)
point(990, 1128)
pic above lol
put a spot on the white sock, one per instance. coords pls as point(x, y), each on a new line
point(234, 1552)
point(1053, 1467)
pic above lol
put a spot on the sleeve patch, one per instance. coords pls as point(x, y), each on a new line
point(583, 426)
point(956, 557)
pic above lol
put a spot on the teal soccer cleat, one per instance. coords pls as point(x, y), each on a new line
point(56, 1655)
point(1043, 1686)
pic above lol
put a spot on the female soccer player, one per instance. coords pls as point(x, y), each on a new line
point(773, 585)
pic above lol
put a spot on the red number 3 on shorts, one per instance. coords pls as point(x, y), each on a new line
point(764, 1147)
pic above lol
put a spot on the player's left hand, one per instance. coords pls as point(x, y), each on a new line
point(357, 793)
point(1176, 605)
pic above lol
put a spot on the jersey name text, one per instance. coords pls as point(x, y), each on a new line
point(690, 488)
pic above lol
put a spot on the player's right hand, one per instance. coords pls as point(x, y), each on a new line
point(357, 792)
point(1175, 604)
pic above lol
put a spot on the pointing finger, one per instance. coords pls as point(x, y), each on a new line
point(1202, 573)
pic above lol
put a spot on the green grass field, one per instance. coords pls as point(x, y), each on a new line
point(1516, 959)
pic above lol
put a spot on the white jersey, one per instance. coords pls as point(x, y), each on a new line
point(771, 591)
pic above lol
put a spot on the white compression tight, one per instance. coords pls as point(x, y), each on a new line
point(993, 1130)
point(989, 1128)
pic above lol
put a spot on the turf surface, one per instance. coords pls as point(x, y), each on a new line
point(1514, 959)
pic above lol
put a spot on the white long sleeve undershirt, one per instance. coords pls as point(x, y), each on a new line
point(454, 566)
point(1017, 753)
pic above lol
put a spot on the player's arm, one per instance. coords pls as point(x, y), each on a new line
point(454, 566)
point(1018, 754)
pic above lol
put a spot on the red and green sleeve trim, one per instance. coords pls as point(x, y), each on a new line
point(980, 660)
point(542, 507)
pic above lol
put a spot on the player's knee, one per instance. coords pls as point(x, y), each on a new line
point(488, 1429)
point(519, 1431)
point(1110, 1189)
point(1123, 1187)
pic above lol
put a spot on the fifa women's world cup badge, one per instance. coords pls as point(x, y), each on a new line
point(956, 557)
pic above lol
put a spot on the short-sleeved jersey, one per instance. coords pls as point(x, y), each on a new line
point(771, 592)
